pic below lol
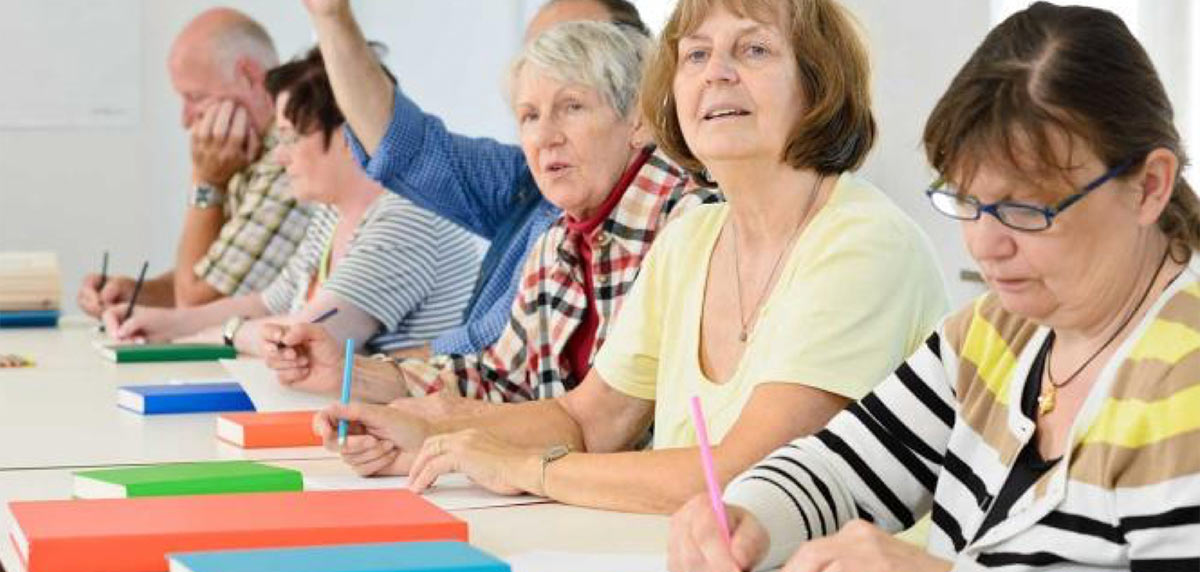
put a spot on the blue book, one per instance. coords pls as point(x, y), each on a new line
point(385, 557)
point(204, 397)
point(29, 319)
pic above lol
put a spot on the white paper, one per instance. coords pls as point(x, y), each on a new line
point(548, 561)
point(453, 491)
point(266, 392)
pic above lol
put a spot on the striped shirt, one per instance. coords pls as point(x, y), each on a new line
point(405, 267)
point(942, 433)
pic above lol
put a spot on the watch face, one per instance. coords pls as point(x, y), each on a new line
point(230, 329)
point(556, 452)
point(204, 196)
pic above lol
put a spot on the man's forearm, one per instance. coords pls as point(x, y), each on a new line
point(158, 291)
point(200, 229)
point(363, 92)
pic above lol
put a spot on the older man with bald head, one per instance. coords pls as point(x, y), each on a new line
point(241, 224)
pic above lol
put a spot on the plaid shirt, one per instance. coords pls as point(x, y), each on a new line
point(263, 226)
point(529, 361)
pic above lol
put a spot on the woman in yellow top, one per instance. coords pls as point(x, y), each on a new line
point(777, 309)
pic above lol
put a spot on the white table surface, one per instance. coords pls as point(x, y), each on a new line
point(61, 415)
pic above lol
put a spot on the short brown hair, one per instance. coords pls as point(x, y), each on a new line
point(311, 105)
point(837, 128)
point(1050, 71)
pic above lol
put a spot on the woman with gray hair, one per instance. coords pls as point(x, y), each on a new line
point(831, 304)
point(574, 94)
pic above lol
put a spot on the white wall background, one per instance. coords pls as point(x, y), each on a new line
point(82, 191)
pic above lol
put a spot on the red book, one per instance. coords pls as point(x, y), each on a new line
point(136, 534)
point(272, 429)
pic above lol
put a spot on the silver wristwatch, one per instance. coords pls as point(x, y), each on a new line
point(229, 330)
point(205, 196)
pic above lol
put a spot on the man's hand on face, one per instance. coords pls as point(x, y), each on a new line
point(224, 141)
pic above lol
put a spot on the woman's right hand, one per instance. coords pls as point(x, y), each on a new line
point(380, 440)
point(304, 356)
point(696, 543)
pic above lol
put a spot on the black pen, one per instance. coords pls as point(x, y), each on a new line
point(103, 273)
point(137, 289)
point(100, 286)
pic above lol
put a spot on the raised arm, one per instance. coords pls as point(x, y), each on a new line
point(363, 91)
point(477, 183)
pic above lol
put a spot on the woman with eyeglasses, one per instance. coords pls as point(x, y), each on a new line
point(1054, 422)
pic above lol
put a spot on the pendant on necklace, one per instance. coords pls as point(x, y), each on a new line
point(1046, 401)
point(742, 336)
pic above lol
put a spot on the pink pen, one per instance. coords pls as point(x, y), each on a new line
point(710, 473)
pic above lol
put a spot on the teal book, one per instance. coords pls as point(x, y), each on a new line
point(387, 557)
point(132, 353)
point(216, 477)
point(29, 319)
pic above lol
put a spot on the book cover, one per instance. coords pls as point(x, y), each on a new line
point(268, 429)
point(389, 557)
point(29, 319)
point(186, 479)
point(201, 397)
point(119, 535)
point(133, 353)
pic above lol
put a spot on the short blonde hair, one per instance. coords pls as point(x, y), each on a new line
point(837, 128)
point(599, 55)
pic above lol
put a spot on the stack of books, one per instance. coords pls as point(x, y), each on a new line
point(30, 286)
point(139, 532)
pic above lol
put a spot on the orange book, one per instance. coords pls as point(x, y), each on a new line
point(273, 429)
point(136, 534)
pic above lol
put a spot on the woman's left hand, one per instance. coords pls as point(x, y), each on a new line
point(490, 462)
point(862, 547)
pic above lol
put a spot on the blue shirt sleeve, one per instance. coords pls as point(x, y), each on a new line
point(469, 181)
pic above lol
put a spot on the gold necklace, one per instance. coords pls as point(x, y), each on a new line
point(737, 265)
point(1048, 398)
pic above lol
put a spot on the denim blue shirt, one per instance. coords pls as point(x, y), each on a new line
point(480, 184)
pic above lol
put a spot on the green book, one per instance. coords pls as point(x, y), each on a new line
point(129, 353)
point(207, 478)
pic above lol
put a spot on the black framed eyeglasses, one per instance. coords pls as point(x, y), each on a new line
point(1016, 215)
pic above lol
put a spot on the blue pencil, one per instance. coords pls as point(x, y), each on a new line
point(347, 377)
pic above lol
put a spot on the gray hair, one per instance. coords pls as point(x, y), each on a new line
point(243, 38)
point(600, 55)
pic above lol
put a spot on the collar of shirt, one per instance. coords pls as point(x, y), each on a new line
point(615, 212)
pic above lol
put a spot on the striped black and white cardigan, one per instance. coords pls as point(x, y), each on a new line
point(942, 432)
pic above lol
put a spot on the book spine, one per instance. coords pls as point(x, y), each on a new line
point(197, 403)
